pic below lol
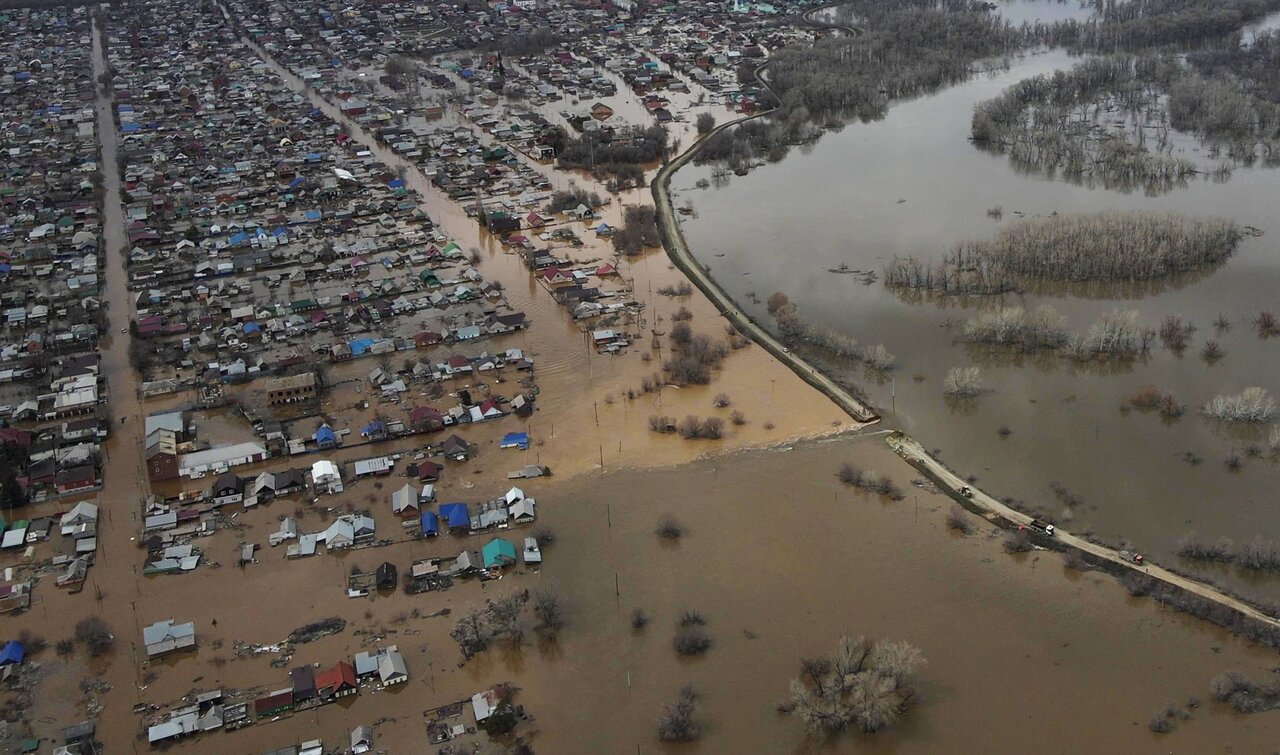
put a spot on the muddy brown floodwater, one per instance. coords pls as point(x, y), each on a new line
point(780, 559)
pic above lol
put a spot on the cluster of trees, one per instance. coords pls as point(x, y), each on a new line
point(793, 329)
point(1255, 65)
point(1058, 123)
point(695, 356)
point(864, 685)
point(570, 198)
point(621, 156)
point(1150, 397)
point(1105, 246)
point(1252, 405)
point(1149, 23)
point(639, 231)
point(904, 49)
point(1257, 555)
point(13, 460)
point(1042, 328)
point(1217, 110)
point(1243, 694)
point(691, 427)
point(691, 636)
point(759, 139)
point(1170, 596)
point(871, 482)
point(501, 619)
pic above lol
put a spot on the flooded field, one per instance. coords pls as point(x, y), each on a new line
point(912, 184)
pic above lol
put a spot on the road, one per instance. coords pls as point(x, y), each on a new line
point(951, 483)
point(124, 482)
point(674, 242)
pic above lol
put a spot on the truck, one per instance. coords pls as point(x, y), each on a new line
point(1040, 527)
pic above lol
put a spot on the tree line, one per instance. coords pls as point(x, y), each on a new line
point(1106, 246)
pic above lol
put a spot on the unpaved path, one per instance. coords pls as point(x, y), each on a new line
point(952, 483)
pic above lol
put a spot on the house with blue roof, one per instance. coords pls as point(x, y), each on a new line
point(324, 437)
point(455, 515)
point(430, 524)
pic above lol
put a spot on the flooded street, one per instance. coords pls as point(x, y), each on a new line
point(912, 185)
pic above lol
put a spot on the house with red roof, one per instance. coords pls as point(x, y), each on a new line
point(339, 681)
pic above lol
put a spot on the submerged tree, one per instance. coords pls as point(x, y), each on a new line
point(864, 685)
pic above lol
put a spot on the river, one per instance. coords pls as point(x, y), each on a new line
point(912, 184)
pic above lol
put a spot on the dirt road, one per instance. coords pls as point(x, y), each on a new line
point(951, 482)
point(673, 241)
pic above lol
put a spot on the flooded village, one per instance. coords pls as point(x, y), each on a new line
point(371, 381)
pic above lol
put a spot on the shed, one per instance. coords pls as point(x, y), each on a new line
point(430, 524)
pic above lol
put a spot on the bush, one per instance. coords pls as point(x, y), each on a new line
point(958, 520)
point(720, 401)
point(676, 723)
point(639, 619)
point(870, 482)
point(669, 528)
point(962, 382)
point(737, 418)
point(1175, 332)
point(1192, 547)
point(706, 123)
point(680, 289)
point(1267, 324)
point(1211, 351)
point(691, 640)
point(95, 634)
point(1252, 405)
point(681, 315)
point(1243, 694)
point(1018, 541)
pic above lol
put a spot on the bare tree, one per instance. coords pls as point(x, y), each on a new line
point(548, 609)
point(863, 685)
point(95, 634)
point(676, 723)
point(962, 382)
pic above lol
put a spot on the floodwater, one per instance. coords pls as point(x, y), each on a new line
point(912, 184)
point(1018, 12)
point(584, 417)
point(781, 560)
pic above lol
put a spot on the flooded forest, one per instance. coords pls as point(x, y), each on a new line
point(1057, 220)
